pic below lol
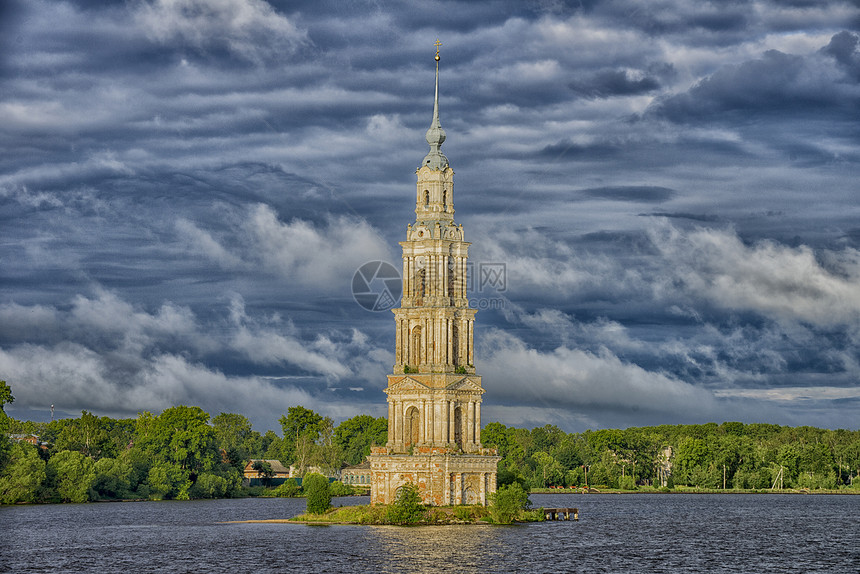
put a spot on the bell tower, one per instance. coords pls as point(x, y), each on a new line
point(434, 395)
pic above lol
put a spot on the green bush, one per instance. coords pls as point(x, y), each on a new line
point(316, 489)
point(289, 489)
point(337, 488)
point(508, 502)
point(407, 508)
point(209, 485)
point(627, 483)
point(168, 480)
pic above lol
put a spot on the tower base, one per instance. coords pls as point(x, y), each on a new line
point(441, 477)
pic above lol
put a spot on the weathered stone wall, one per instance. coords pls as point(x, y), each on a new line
point(442, 478)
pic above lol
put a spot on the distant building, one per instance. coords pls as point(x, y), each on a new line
point(28, 438)
point(357, 475)
point(253, 477)
point(296, 471)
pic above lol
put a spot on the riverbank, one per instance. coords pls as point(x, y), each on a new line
point(693, 490)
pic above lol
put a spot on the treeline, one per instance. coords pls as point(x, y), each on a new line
point(730, 455)
point(184, 453)
point(181, 453)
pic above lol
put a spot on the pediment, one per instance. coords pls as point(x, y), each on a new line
point(407, 384)
point(465, 384)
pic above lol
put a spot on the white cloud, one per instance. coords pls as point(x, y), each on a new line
point(201, 241)
point(780, 282)
point(103, 354)
point(249, 28)
point(267, 346)
point(324, 257)
point(571, 378)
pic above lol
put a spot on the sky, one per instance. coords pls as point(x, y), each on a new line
point(662, 196)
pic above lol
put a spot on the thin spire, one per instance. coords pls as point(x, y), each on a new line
point(436, 135)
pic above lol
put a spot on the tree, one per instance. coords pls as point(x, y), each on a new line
point(168, 480)
point(22, 476)
point(112, 477)
point(354, 436)
point(508, 502)
point(297, 424)
point(73, 474)
point(180, 435)
point(88, 435)
point(407, 507)
point(5, 395)
point(317, 492)
point(234, 436)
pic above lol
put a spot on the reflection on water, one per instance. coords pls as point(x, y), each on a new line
point(472, 548)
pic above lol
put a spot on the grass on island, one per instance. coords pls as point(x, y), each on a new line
point(509, 504)
point(383, 514)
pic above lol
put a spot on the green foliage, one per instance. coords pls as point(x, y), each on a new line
point(337, 488)
point(316, 489)
point(507, 503)
point(180, 436)
point(627, 483)
point(22, 476)
point(73, 475)
point(355, 436)
point(300, 421)
point(112, 478)
point(168, 480)
point(407, 508)
point(234, 436)
point(209, 485)
point(289, 489)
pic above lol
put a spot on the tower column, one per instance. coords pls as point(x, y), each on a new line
point(451, 431)
point(478, 423)
point(390, 422)
point(449, 325)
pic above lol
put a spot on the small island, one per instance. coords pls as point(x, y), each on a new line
point(509, 504)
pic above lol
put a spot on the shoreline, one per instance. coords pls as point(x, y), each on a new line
point(819, 492)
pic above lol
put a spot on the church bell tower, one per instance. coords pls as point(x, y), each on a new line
point(434, 395)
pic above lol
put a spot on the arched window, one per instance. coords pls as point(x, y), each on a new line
point(411, 427)
point(421, 283)
point(426, 198)
point(415, 354)
point(445, 200)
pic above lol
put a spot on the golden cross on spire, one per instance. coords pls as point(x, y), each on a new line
point(437, 44)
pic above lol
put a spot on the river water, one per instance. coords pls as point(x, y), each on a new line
point(615, 533)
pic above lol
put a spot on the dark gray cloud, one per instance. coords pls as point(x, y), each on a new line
point(187, 187)
point(641, 193)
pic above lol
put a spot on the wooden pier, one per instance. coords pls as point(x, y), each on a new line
point(561, 513)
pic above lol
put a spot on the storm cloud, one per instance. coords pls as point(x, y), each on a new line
point(187, 188)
